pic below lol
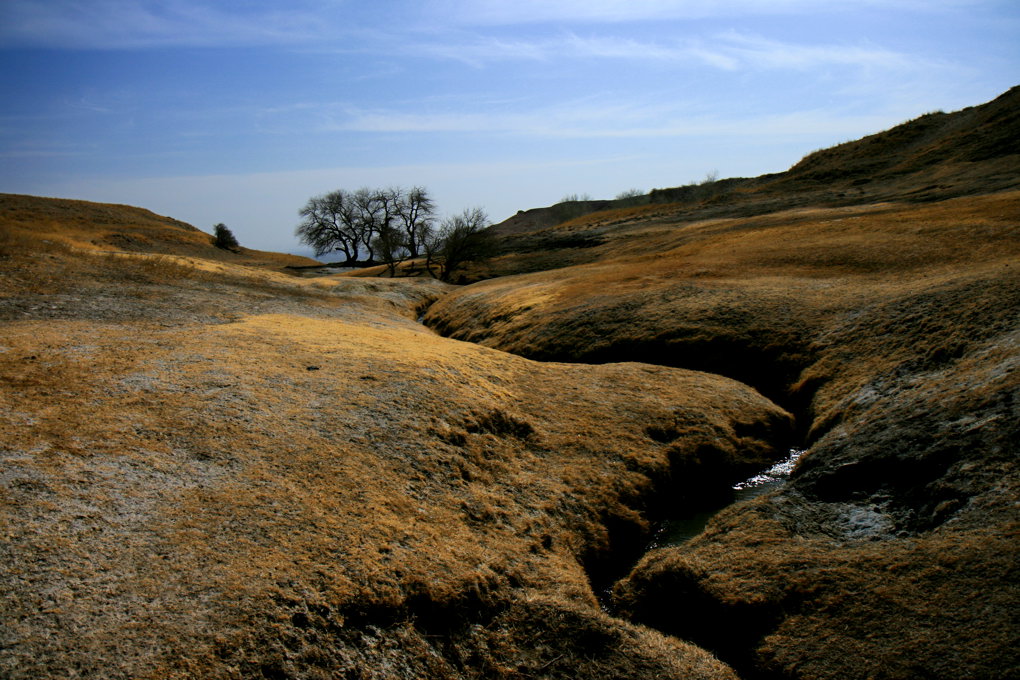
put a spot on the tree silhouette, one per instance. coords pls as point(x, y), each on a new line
point(369, 221)
point(224, 238)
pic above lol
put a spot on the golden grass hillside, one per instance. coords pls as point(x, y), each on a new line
point(214, 471)
point(934, 157)
point(891, 331)
point(121, 228)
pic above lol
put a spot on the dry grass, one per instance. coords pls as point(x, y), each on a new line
point(88, 226)
point(252, 480)
point(211, 471)
point(771, 285)
point(891, 330)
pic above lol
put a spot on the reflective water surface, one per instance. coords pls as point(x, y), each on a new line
point(681, 529)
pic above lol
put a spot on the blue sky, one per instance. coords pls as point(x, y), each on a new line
point(238, 111)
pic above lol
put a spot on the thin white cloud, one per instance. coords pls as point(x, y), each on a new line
point(602, 47)
point(760, 52)
point(132, 24)
point(594, 118)
point(481, 51)
point(311, 24)
point(588, 117)
point(727, 51)
point(37, 154)
point(503, 13)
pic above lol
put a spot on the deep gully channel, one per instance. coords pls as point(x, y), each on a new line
point(769, 370)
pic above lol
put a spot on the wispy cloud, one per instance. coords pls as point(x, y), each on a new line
point(497, 12)
point(479, 51)
point(132, 24)
point(727, 51)
point(759, 52)
point(502, 13)
point(679, 52)
point(590, 118)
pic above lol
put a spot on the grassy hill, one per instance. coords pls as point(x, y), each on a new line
point(934, 157)
point(121, 228)
point(213, 469)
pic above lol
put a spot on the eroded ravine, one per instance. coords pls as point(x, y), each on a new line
point(902, 398)
point(681, 505)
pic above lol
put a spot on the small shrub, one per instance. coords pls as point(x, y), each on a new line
point(224, 238)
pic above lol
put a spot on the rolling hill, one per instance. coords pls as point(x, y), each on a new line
point(934, 157)
point(214, 469)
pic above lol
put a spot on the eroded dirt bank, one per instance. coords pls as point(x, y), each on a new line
point(893, 332)
point(215, 472)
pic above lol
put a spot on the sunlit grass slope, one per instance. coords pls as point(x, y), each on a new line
point(218, 472)
point(113, 228)
point(753, 298)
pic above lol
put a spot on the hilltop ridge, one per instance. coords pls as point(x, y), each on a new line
point(935, 156)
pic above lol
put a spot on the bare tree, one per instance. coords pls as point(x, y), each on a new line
point(330, 223)
point(461, 238)
point(394, 225)
point(375, 210)
point(431, 241)
point(391, 246)
point(416, 212)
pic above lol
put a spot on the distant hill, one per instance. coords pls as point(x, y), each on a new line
point(124, 228)
point(932, 157)
point(977, 133)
